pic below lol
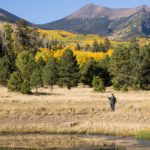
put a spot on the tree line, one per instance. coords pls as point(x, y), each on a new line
point(128, 67)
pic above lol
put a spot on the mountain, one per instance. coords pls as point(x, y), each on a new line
point(136, 24)
point(5, 16)
point(121, 23)
point(94, 19)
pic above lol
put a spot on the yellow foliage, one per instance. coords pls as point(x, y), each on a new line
point(82, 56)
point(144, 41)
point(56, 34)
point(110, 51)
point(71, 40)
point(44, 53)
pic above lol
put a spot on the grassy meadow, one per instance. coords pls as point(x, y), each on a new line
point(79, 110)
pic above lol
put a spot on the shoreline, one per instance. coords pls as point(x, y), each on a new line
point(143, 134)
point(65, 141)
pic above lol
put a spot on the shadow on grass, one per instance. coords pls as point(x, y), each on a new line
point(44, 94)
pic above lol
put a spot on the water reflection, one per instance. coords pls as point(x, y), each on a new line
point(69, 142)
point(63, 149)
point(77, 148)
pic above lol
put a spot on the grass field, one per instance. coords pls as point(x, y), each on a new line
point(79, 110)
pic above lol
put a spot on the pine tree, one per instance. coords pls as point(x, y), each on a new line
point(7, 40)
point(120, 65)
point(15, 81)
point(1, 46)
point(95, 46)
point(98, 84)
point(26, 38)
point(41, 65)
point(68, 70)
point(34, 40)
point(22, 37)
point(25, 63)
point(90, 69)
point(107, 44)
point(36, 79)
point(25, 87)
point(5, 71)
point(144, 77)
point(50, 73)
point(129, 66)
point(101, 48)
point(135, 61)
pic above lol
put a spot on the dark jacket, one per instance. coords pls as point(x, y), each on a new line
point(112, 99)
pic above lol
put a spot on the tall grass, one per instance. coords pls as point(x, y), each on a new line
point(80, 110)
point(143, 135)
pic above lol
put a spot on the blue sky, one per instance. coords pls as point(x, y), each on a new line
point(43, 11)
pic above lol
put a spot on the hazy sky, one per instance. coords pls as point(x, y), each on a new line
point(43, 11)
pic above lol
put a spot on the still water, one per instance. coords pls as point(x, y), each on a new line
point(69, 142)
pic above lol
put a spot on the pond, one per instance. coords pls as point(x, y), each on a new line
point(70, 142)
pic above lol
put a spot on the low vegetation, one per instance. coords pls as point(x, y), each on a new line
point(143, 135)
point(79, 110)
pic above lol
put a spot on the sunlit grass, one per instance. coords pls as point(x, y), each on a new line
point(79, 110)
point(143, 135)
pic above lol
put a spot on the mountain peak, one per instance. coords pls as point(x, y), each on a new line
point(89, 11)
point(91, 5)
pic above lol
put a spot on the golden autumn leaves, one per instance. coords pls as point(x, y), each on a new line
point(82, 56)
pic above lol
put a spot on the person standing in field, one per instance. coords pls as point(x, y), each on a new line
point(112, 101)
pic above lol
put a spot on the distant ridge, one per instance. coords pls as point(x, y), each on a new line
point(123, 23)
point(6, 16)
point(117, 23)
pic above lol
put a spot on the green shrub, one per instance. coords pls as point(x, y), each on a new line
point(25, 87)
point(98, 84)
point(116, 84)
point(124, 88)
point(5, 70)
point(15, 81)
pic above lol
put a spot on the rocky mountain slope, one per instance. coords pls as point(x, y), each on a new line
point(5, 16)
point(93, 19)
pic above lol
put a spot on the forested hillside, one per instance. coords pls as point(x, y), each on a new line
point(31, 58)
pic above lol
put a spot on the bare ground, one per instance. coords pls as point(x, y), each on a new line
point(79, 110)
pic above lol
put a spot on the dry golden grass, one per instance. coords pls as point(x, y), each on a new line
point(79, 110)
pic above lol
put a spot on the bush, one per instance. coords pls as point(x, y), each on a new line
point(5, 70)
point(124, 88)
point(15, 81)
point(98, 84)
point(116, 84)
point(25, 87)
